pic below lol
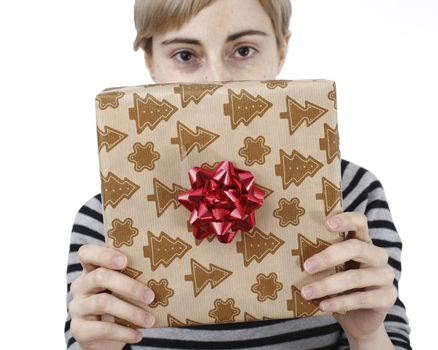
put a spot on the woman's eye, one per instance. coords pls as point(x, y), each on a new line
point(244, 51)
point(183, 56)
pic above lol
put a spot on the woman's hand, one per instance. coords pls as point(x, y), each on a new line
point(93, 310)
point(360, 312)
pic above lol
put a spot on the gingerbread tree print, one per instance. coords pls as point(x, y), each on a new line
point(224, 311)
point(144, 156)
point(131, 272)
point(114, 189)
point(297, 114)
point(243, 108)
point(295, 168)
point(174, 322)
point(164, 196)
point(331, 195)
point(330, 143)
point(201, 276)
point(289, 212)
point(109, 99)
point(306, 248)
point(302, 307)
point(109, 138)
point(164, 249)
point(256, 245)
point(122, 232)
point(249, 318)
point(149, 112)
point(194, 92)
point(188, 139)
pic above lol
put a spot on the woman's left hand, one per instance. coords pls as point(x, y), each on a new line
point(360, 312)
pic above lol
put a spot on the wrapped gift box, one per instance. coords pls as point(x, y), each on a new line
point(284, 132)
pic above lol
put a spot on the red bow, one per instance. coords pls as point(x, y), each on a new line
point(221, 201)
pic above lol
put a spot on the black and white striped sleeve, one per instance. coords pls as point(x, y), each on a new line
point(364, 193)
point(87, 228)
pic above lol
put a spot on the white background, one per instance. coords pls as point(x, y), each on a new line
point(57, 55)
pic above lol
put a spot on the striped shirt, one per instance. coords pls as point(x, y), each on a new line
point(361, 192)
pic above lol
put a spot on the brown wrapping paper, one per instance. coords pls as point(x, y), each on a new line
point(284, 131)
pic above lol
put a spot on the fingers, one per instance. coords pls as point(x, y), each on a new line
point(379, 299)
point(85, 331)
point(104, 303)
point(92, 255)
point(102, 278)
point(347, 280)
point(354, 222)
point(340, 252)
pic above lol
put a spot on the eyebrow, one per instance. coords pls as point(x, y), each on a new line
point(230, 37)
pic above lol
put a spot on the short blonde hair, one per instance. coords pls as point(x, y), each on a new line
point(159, 16)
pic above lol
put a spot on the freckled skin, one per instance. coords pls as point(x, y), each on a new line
point(248, 57)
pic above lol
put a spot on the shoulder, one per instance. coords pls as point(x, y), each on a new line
point(359, 186)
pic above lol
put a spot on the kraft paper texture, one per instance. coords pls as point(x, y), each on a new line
point(284, 131)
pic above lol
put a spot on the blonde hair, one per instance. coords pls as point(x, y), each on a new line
point(159, 16)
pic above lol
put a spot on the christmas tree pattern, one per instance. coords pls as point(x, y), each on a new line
point(267, 191)
point(126, 323)
point(109, 99)
point(109, 138)
point(289, 212)
point(224, 311)
point(243, 108)
point(295, 168)
point(164, 249)
point(266, 287)
point(131, 272)
point(254, 150)
point(188, 139)
point(332, 95)
point(149, 112)
point(330, 143)
point(144, 156)
point(306, 248)
point(331, 195)
point(302, 307)
point(162, 292)
point(194, 92)
point(296, 114)
point(174, 322)
point(256, 245)
point(272, 84)
point(250, 318)
point(122, 232)
point(201, 276)
point(114, 189)
point(164, 196)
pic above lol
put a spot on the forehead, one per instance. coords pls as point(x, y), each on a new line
point(223, 18)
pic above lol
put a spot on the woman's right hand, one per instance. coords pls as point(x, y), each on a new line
point(93, 310)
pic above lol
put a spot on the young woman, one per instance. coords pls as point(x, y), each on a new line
point(195, 41)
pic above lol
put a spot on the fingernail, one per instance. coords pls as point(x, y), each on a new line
point(119, 260)
point(139, 336)
point(334, 222)
point(149, 320)
point(307, 292)
point(310, 265)
point(325, 306)
point(148, 296)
